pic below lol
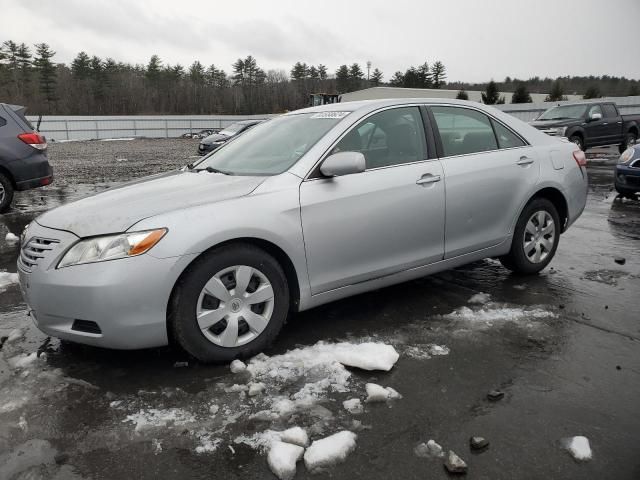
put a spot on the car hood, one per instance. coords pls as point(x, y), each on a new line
point(216, 137)
point(540, 124)
point(118, 208)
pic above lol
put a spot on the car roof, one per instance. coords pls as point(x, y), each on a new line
point(369, 105)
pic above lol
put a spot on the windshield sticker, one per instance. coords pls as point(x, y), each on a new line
point(330, 115)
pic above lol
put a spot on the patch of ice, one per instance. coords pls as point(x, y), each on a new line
point(480, 298)
point(296, 436)
point(260, 441)
point(7, 279)
point(16, 334)
point(213, 409)
point(520, 287)
point(155, 418)
point(578, 447)
point(282, 459)
point(11, 238)
point(329, 451)
point(235, 388)
point(377, 393)
point(237, 366)
point(353, 406)
point(488, 315)
point(157, 446)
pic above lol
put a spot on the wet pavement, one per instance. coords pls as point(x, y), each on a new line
point(564, 347)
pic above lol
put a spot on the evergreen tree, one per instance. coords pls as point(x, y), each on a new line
point(376, 77)
point(313, 73)
point(521, 94)
point(462, 95)
point(411, 78)
point(557, 92)
point(342, 79)
point(154, 67)
point(356, 75)
point(634, 90)
point(438, 74)
point(397, 80)
point(322, 72)
point(196, 73)
point(491, 95)
point(592, 92)
point(424, 76)
point(46, 72)
point(80, 66)
point(299, 71)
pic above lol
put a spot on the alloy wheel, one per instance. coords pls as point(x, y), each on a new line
point(235, 306)
point(539, 236)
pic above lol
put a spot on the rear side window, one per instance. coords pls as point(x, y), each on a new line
point(464, 131)
point(506, 138)
point(609, 111)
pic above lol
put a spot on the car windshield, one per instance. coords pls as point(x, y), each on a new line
point(271, 147)
point(232, 129)
point(564, 111)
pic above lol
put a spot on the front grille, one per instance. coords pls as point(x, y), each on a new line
point(34, 250)
point(86, 326)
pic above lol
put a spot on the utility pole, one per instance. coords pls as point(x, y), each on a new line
point(368, 69)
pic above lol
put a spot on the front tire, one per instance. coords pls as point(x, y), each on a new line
point(230, 304)
point(577, 139)
point(630, 140)
point(6, 193)
point(535, 239)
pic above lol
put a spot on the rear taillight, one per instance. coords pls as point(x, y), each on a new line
point(34, 140)
point(580, 158)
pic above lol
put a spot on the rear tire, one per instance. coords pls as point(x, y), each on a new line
point(624, 192)
point(577, 139)
point(245, 328)
point(6, 193)
point(535, 239)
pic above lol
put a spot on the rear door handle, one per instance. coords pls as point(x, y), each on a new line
point(525, 161)
point(428, 178)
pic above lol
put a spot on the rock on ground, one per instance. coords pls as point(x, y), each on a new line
point(329, 450)
point(454, 463)
point(282, 459)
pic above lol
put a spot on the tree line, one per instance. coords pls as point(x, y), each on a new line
point(90, 85)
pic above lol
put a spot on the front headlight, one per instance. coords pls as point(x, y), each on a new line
point(560, 131)
point(111, 247)
point(627, 155)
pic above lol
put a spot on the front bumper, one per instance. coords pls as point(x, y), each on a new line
point(627, 178)
point(126, 298)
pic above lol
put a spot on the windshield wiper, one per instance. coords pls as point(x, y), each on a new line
point(213, 170)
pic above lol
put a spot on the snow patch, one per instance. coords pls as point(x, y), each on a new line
point(295, 436)
point(155, 418)
point(23, 361)
point(7, 279)
point(487, 315)
point(208, 444)
point(237, 366)
point(124, 139)
point(11, 238)
point(578, 447)
point(329, 451)
point(480, 298)
point(353, 406)
point(282, 459)
point(377, 393)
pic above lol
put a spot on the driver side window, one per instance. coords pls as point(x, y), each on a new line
point(594, 109)
point(391, 137)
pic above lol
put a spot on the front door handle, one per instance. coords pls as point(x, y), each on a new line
point(525, 161)
point(428, 178)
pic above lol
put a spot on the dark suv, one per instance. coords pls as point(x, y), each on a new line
point(23, 155)
point(210, 143)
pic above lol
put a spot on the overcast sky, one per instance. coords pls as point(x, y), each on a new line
point(476, 39)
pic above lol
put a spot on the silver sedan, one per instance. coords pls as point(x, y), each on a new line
point(306, 208)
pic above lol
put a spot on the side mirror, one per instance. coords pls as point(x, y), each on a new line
point(595, 116)
point(343, 163)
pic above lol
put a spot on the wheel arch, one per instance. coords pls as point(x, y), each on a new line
point(271, 248)
point(633, 129)
point(559, 201)
point(8, 174)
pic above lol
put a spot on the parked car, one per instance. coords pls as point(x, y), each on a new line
point(306, 208)
point(23, 155)
point(201, 134)
point(590, 124)
point(627, 172)
point(214, 141)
